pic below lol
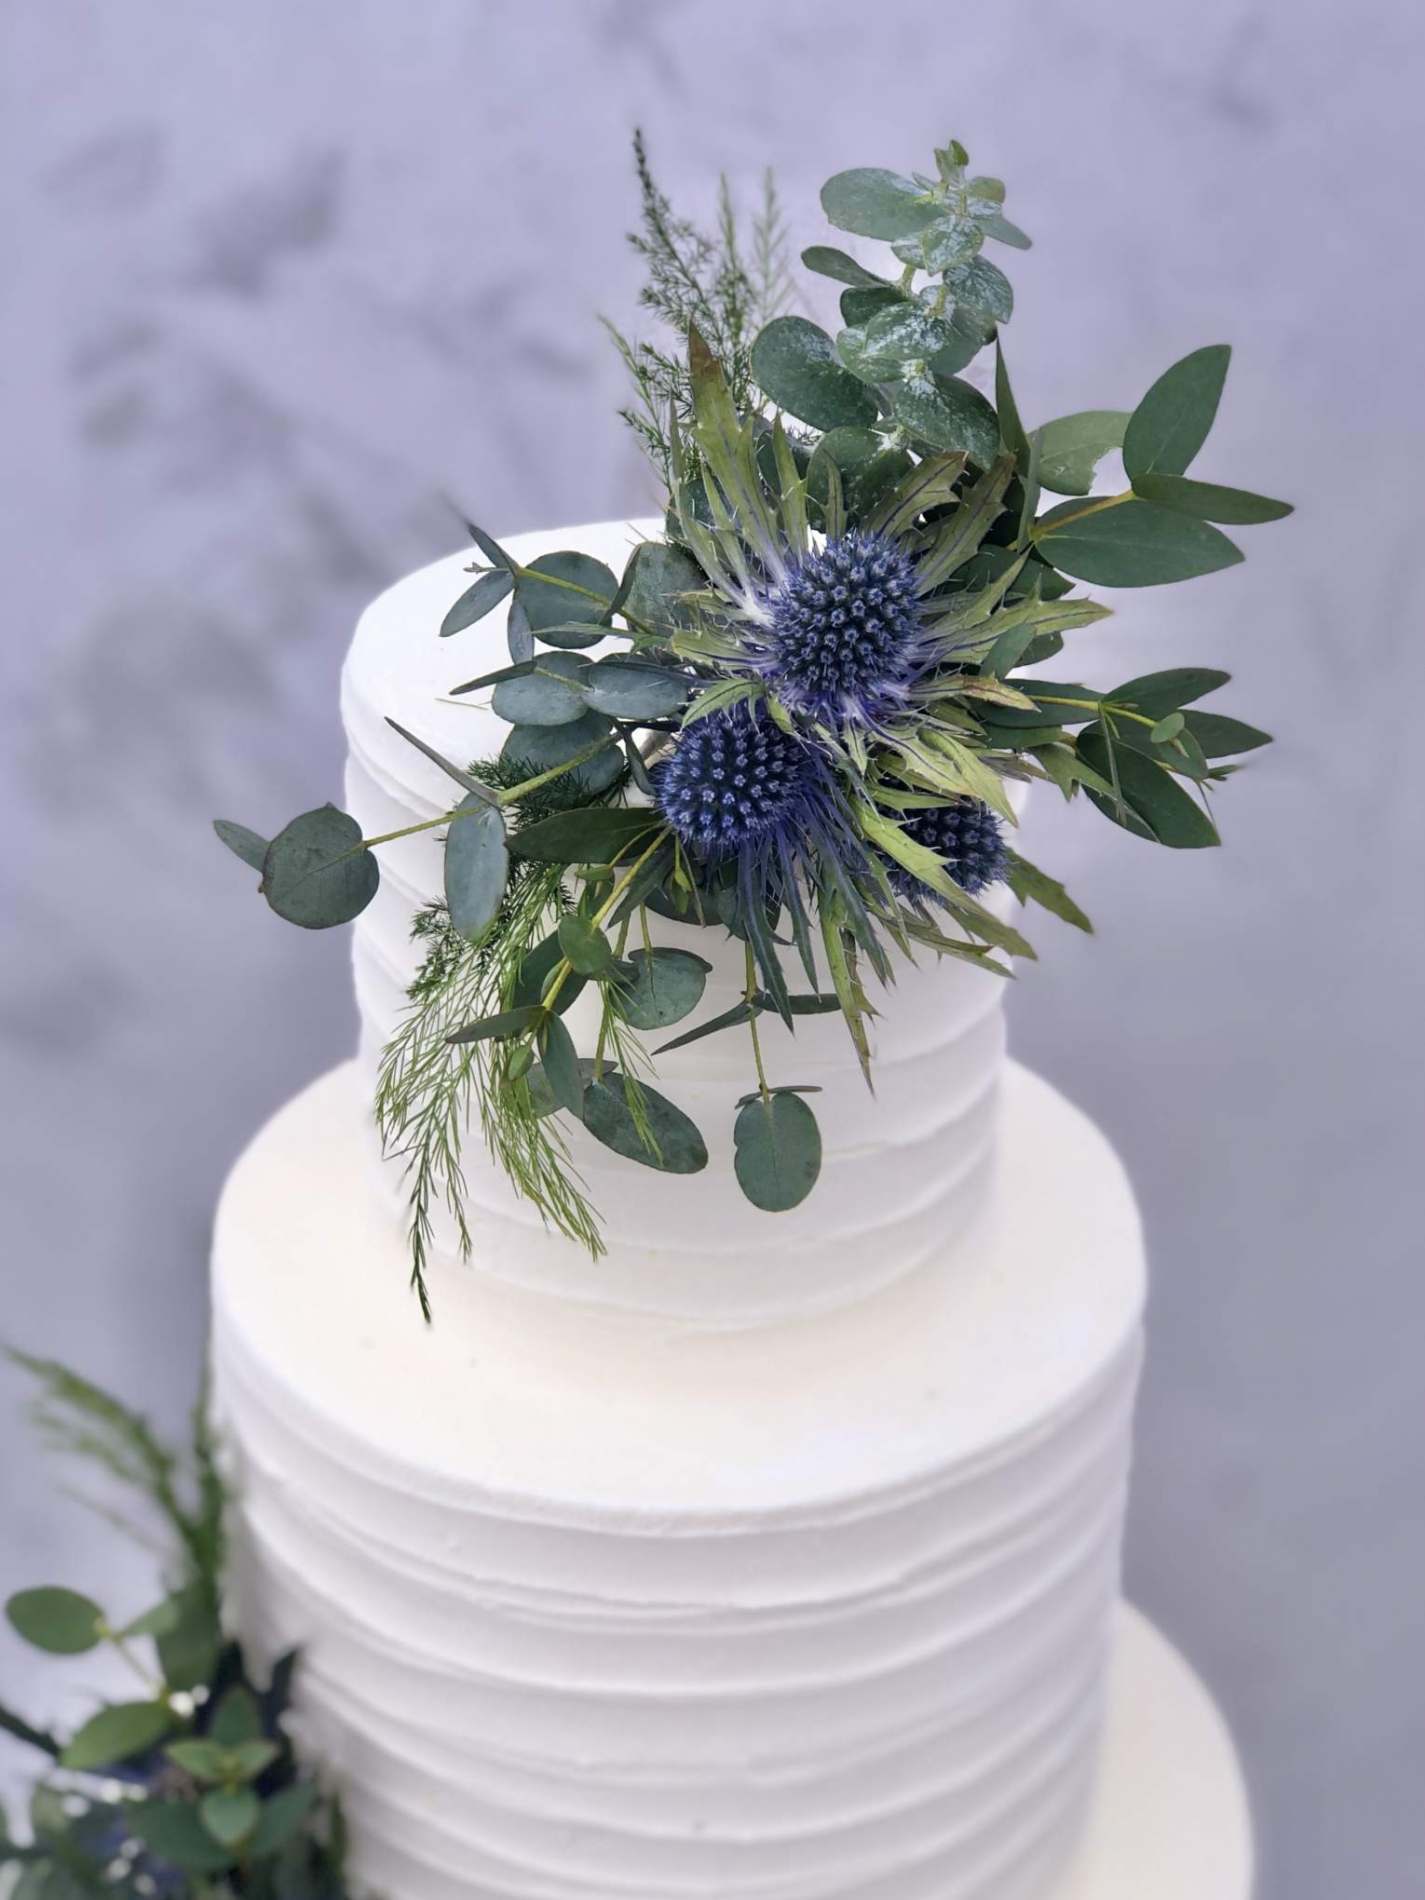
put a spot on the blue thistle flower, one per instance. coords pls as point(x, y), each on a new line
point(841, 639)
point(736, 779)
point(966, 835)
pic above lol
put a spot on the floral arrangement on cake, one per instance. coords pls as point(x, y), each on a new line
point(192, 1786)
point(796, 717)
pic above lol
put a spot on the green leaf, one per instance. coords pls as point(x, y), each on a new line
point(680, 1149)
point(541, 748)
point(205, 1760)
point(317, 873)
point(457, 773)
point(777, 1154)
point(1071, 448)
point(477, 866)
point(57, 1620)
point(829, 262)
point(795, 364)
point(1156, 694)
point(535, 971)
point(1208, 501)
point(248, 845)
point(561, 1065)
point(950, 414)
point(116, 1734)
point(983, 286)
point(999, 227)
point(729, 1019)
point(655, 584)
point(162, 1620)
point(172, 1831)
point(951, 241)
point(1133, 544)
point(545, 694)
point(894, 339)
point(498, 1028)
point(592, 834)
point(859, 306)
point(629, 688)
point(283, 1817)
point(567, 590)
point(586, 946)
point(1031, 885)
point(665, 986)
point(875, 203)
point(188, 1653)
point(1167, 728)
point(1220, 737)
point(1162, 809)
point(477, 600)
point(1011, 429)
point(519, 635)
point(489, 547)
point(229, 1815)
point(237, 1718)
point(1171, 423)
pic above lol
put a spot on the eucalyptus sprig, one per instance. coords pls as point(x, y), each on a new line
point(798, 717)
point(191, 1787)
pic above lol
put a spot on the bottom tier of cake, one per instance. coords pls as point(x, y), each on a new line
point(601, 1607)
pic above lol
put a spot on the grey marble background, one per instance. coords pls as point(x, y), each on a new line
point(282, 280)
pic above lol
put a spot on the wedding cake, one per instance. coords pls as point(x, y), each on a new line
point(679, 1375)
point(772, 1558)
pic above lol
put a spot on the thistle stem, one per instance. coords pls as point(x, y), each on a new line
point(750, 998)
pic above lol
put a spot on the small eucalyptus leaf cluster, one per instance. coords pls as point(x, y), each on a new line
point(190, 1787)
point(796, 718)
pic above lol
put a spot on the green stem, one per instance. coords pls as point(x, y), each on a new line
point(510, 796)
point(1094, 506)
point(563, 969)
point(750, 998)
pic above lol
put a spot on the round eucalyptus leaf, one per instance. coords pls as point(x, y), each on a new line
point(662, 986)
point(635, 689)
point(795, 363)
point(586, 946)
point(903, 334)
point(317, 873)
point(678, 1147)
point(983, 286)
point(60, 1621)
point(949, 414)
point(229, 1814)
point(859, 306)
point(116, 1734)
point(655, 583)
point(561, 1066)
point(565, 589)
point(777, 1151)
point(477, 865)
point(535, 972)
point(875, 203)
point(540, 748)
point(548, 696)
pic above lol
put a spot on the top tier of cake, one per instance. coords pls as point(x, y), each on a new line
point(907, 1177)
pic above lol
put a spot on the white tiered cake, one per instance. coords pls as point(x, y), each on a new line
point(768, 1555)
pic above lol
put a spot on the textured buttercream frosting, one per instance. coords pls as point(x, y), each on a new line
point(905, 1174)
point(766, 1558)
